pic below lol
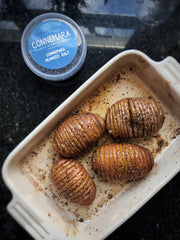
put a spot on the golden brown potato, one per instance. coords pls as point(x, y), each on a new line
point(122, 162)
point(73, 181)
point(78, 133)
point(134, 117)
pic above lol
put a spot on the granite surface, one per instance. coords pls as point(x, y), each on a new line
point(25, 99)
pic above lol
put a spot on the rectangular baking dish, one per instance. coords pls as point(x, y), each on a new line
point(26, 170)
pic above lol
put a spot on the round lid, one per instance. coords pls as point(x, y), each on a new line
point(53, 46)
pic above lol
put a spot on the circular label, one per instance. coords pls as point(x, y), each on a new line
point(53, 44)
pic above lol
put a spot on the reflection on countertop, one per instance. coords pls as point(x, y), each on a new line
point(105, 23)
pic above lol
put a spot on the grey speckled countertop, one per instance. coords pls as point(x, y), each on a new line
point(26, 99)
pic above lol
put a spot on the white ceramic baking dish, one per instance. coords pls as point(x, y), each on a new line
point(39, 211)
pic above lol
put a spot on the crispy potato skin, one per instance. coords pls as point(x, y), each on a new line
point(78, 133)
point(122, 162)
point(73, 182)
point(134, 117)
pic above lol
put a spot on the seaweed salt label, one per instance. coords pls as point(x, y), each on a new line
point(53, 44)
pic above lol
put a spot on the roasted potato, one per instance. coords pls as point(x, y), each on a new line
point(134, 117)
point(78, 133)
point(122, 162)
point(73, 182)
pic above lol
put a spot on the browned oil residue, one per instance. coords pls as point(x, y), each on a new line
point(71, 229)
point(177, 132)
point(156, 170)
point(143, 63)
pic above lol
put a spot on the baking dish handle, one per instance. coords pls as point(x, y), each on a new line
point(170, 68)
point(28, 220)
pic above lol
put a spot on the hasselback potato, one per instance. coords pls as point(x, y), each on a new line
point(134, 117)
point(122, 162)
point(77, 133)
point(73, 181)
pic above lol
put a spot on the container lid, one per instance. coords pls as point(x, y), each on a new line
point(53, 46)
